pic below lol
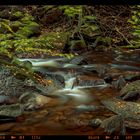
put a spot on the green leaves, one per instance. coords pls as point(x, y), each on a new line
point(135, 23)
point(71, 11)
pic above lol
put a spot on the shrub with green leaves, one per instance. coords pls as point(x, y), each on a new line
point(71, 11)
point(135, 23)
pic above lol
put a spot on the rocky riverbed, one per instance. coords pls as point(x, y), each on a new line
point(77, 97)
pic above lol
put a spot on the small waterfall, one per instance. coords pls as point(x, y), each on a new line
point(125, 67)
point(76, 95)
point(75, 89)
point(94, 86)
point(79, 96)
point(49, 63)
point(69, 83)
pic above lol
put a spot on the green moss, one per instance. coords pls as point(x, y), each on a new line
point(29, 29)
point(27, 18)
point(15, 25)
point(135, 23)
point(18, 14)
point(71, 11)
point(4, 37)
point(134, 86)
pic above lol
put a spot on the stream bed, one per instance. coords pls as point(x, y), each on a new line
point(77, 107)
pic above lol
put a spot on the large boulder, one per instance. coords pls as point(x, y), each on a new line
point(131, 91)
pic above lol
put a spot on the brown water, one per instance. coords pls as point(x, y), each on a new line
point(62, 119)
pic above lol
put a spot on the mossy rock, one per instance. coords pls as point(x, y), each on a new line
point(17, 15)
point(15, 25)
point(5, 14)
point(12, 14)
point(133, 86)
point(8, 26)
point(29, 30)
point(13, 110)
point(132, 77)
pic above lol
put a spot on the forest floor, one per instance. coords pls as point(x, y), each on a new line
point(57, 70)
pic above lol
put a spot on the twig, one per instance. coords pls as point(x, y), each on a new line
point(123, 36)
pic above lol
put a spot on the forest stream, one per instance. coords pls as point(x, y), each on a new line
point(74, 104)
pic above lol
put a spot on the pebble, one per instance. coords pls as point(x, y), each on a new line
point(95, 122)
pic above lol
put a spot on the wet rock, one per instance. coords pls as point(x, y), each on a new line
point(95, 122)
point(7, 99)
point(79, 60)
point(132, 77)
point(131, 90)
point(123, 108)
point(11, 88)
point(102, 70)
point(128, 115)
point(52, 86)
point(90, 68)
point(10, 85)
point(133, 124)
point(32, 101)
point(82, 82)
point(131, 95)
point(59, 79)
point(13, 110)
point(114, 123)
point(120, 83)
point(108, 78)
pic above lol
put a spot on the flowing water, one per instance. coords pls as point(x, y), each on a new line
point(78, 100)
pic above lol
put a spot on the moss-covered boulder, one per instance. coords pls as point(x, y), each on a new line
point(29, 29)
point(133, 86)
point(131, 91)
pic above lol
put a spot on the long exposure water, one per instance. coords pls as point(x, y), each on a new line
point(76, 106)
